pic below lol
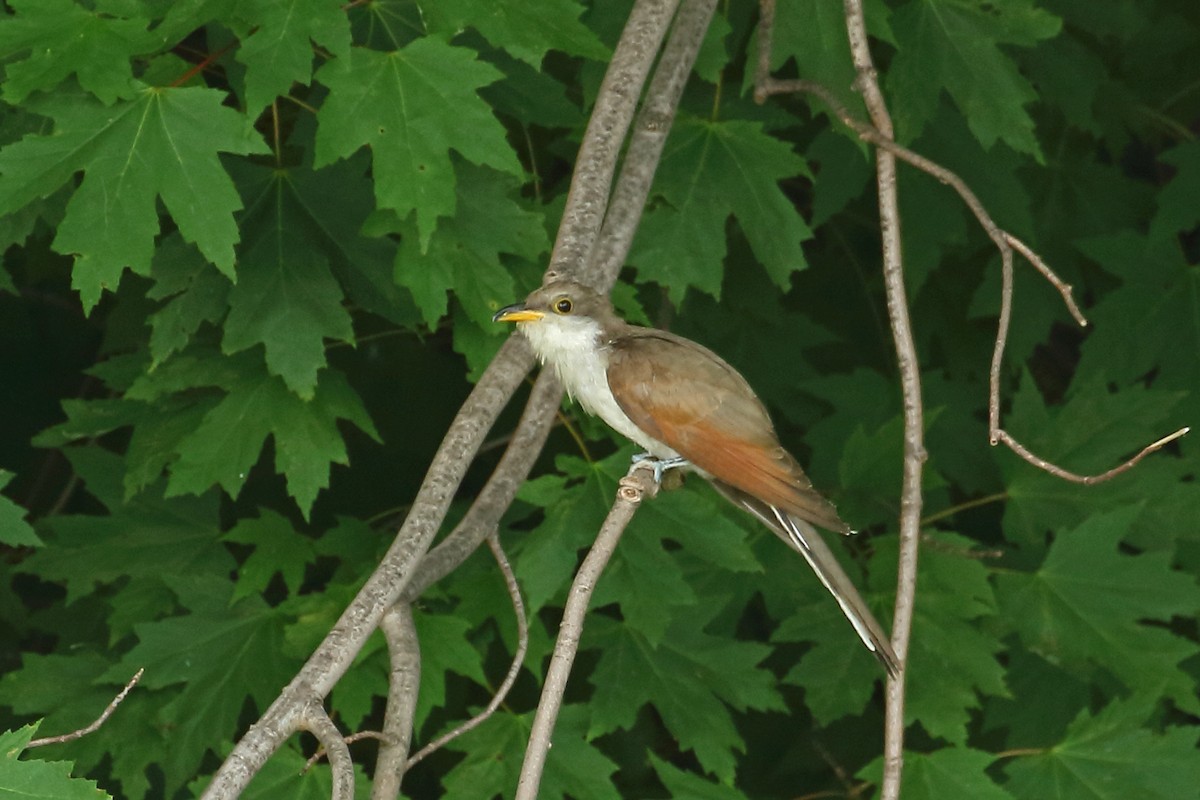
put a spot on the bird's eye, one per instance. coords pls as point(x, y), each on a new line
point(563, 305)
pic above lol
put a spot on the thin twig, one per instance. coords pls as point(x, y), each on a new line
point(1087, 480)
point(633, 487)
point(1006, 243)
point(351, 739)
point(514, 592)
point(100, 720)
point(965, 506)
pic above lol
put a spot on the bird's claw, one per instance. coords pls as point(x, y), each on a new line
point(659, 465)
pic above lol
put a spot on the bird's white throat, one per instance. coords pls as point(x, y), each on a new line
point(572, 346)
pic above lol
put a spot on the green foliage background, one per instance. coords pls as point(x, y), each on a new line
point(251, 252)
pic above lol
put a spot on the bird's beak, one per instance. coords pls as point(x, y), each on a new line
point(516, 313)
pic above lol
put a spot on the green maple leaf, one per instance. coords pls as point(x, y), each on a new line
point(227, 442)
point(446, 648)
point(1179, 200)
point(14, 530)
point(221, 654)
point(147, 538)
point(951, 649)
point(952, 773)
point(279, 51)
point(278, 548)
point(412, 106)
point(194, 293)
point(525, 29)
point(813, 32)
point(464, 252)
point(336, 202)
point(33, 778)
point(957, 660)
point(709, 171)
point(691, 678)
point(1092, 432)
point(161, 144)
point(547, 556)
point(1088, 602)
point(954, 45)
point(1150, 324)
point(1110, 756)
point(62, 38)
point(838, 674)
point(286, 298)
point(686, 785)
point(575, 767)
point(643, 577)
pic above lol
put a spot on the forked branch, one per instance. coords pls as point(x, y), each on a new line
point(1006, 243)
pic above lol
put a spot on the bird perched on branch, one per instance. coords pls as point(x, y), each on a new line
point(688, 408)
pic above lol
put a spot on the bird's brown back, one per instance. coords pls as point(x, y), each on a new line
point(691, 400)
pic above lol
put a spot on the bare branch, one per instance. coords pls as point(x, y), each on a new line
point(335, 654)
point(514, 592)
point(315, 719)
point(606, 131)
point(646, 142)
point(404, 680)
point(100, 720)
point(633, 487)
point(351, 739)
point(1006, 243)
point(880, 135)
point(498, 493)
point(1088, 480)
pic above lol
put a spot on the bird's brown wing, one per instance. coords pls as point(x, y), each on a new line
point(688, 398)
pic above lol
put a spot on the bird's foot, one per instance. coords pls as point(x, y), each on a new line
point(660, 465)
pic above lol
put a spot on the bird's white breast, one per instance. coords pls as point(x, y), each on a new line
point(571, 346)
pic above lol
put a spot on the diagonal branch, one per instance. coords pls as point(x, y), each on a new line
point(649, 135)
point(633, 487)
point(592, 181)
point(383, 588)
point(100, 720)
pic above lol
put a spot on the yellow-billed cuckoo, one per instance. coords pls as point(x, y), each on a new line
point(687, 407)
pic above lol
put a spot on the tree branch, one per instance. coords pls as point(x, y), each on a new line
point(315, 719)
point(910, 382)
point(498, 493)
point(1007, 244)
point(404, 680)
point(100, 720)
point(615, 104)
point(514, 593)
point(335, 654)
point(646, 143)
point(633, 487)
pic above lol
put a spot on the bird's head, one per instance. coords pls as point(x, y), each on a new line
point(561, 319)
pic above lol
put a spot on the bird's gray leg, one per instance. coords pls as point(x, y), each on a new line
point(660, 465)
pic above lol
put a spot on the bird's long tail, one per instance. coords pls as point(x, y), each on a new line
point(807, 541)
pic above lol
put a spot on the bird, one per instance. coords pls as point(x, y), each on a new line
point(688, 408)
